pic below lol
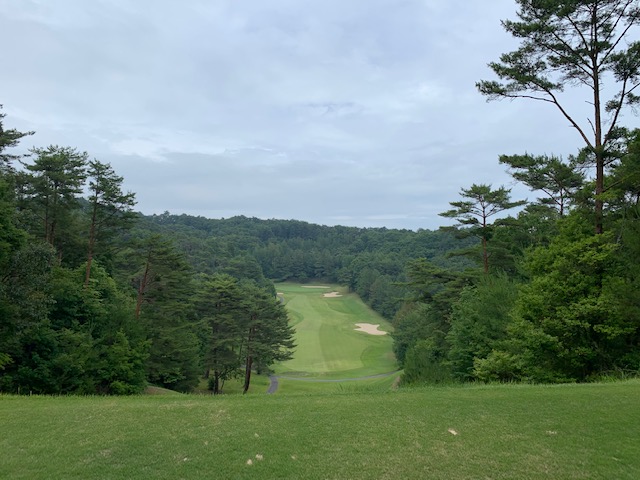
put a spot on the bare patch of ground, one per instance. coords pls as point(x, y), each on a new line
point(314, 286)
point(369, 328)
point(332, 295)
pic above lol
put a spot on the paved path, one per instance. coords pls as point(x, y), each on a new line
point(273, 386)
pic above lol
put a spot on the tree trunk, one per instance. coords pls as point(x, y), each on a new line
point(92, 242)
point(599, 204)
point(141, 289)
point(87, 274)
point(247, 373)
point(249, 361)
point(485, 255)
point(597, 113)
point(216, 382)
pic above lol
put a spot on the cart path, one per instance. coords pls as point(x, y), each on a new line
point(273, 386)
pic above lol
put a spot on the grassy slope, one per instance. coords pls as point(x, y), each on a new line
point(503, 432)
point(328, 345)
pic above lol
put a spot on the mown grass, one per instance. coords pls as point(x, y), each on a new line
point(586, 431)
point(328, 344)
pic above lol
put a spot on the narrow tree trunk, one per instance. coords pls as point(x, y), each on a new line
point(249, 361)
point(599, 204)
point(92, 241)
point(87, 274)
point(485, 255)
point(141, 289)
point(247, 374)
point(598, 143)
point(216, 382)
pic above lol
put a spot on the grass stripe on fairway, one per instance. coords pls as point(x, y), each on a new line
point(328, 344)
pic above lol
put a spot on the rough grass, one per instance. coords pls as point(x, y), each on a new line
point(496, 432)
point(328, 344)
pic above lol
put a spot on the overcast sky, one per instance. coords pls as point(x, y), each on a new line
point(350, 112)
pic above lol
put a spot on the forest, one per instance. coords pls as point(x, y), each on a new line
point(96, 298)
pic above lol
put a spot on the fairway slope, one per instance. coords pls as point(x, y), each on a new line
point(329, 343)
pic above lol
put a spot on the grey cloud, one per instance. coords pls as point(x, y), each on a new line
point(358, 112)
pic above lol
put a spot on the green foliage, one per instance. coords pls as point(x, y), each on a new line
point(425, 363)
point(479, 321)
point(577, 316)
point(422, 325)
point(480, 204)
point(8, 139)
point(53, 184)
point(547, 174)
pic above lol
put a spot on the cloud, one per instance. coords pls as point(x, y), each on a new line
point(362, 112)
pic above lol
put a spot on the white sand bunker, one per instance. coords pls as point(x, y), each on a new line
point(369, 328)
point(332, 295)
point(314, 286)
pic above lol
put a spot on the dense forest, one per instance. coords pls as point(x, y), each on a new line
point(95, 298)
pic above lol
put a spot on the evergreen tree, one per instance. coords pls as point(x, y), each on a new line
point(575, 43)
point(109, 208)
point(473, 213)
point(8, 139)
point(55, 180)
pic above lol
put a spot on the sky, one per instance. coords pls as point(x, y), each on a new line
point(336, 112)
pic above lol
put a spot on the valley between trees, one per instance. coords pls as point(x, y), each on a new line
point(98, 299)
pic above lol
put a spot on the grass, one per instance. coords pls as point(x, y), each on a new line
point(587, 431)
point(328, 345)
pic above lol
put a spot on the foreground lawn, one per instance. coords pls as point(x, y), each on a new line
point(497, 432)
point(328, 344)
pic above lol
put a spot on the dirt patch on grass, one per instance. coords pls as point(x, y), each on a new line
point(369, 328)
point(332, 295)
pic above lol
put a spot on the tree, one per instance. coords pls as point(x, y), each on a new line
point(557, 180)
point(268, 335)
point(218, 303)
point(163, 285)
point(25, 302)
point(11, 237)
point(474, 213)
point(56, 179)
point(479, 320)
point(422, 324)
point(579, 315)
point(109, 207)
point(574, 43)
point(9, 138)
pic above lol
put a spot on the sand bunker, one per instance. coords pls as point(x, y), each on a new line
point(332, 295)
point(314, 286)
point(369, 328)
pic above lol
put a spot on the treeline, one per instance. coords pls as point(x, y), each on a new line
point(90, 304)
point(555, 296)
point(370, 261)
